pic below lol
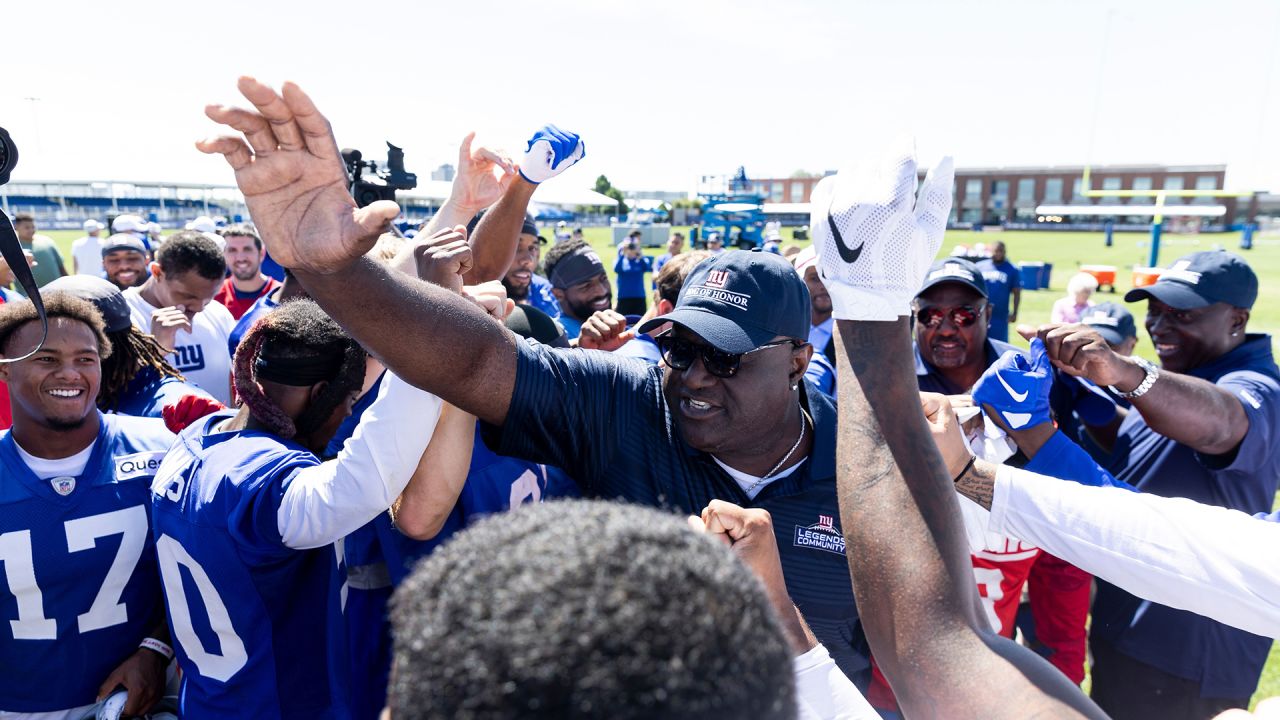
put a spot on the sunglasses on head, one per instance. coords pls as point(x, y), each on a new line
point(679, 354)
point(962, 316)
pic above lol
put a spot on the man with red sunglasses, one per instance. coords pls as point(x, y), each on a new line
point(951, 311)
point(952, 351)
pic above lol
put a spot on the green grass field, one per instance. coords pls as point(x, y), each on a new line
point(1066, 251)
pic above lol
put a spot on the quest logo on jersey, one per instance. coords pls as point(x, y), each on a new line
point(143, 464)
point(822, 536)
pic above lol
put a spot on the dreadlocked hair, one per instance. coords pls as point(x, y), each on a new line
point(135, 351)
point(299, 330)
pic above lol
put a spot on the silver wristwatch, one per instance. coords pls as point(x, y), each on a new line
point(1153, 374)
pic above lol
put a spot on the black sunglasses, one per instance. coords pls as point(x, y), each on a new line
point(680, 353)
point(962, 316)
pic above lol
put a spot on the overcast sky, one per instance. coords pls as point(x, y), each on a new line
point(661, 90)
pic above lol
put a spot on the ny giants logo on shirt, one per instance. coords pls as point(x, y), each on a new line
point(190, 358)
point(822, 536)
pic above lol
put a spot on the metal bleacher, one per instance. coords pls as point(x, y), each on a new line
point(66, 203)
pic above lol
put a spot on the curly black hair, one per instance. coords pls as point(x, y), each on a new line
point(189, 250)
point(586, 609)
point(134, 351)
point(56, 304)
point(297, 329)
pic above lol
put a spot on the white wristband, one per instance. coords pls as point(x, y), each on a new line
point(157, 646)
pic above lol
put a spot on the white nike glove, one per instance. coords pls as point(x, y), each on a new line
point(551, 151)
point(875, 238)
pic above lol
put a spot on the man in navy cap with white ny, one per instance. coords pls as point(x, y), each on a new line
point(1204, 426)
point(727, 416)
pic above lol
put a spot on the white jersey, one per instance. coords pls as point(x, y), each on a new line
point(201, 355)
point(87, 252)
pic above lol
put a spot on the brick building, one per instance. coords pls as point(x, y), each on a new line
point(1009, 196)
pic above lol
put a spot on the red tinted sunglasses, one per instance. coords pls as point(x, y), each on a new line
point(962, 316)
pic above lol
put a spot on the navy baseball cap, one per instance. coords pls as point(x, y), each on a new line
point(954, 270)
point(104, 296)
point(123, 241)
point(740, 300)
point(1202, 279)
point(1112, 321)
point(527, 228)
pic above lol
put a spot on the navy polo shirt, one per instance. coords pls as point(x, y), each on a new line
point(930, 380)
point(1224, 660)
point(605, 421)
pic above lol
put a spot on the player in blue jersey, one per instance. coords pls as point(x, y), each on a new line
point(79, 589)
point(247, 518)
point(137, 379)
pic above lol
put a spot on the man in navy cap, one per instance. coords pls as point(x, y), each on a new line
point(1203, 426)
point(728, 414)
point(951, 312)
point(124, 260)
point(953, 349)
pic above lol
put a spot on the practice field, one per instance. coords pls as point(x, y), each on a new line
point(1067, 251)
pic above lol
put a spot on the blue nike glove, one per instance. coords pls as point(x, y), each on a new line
point(551, 151)
point(1018, 387)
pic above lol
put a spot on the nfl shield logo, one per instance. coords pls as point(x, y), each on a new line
point(63, 485)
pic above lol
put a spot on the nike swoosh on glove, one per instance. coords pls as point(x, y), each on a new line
point(1017, 387)
point(875, 236)
point(551, 151)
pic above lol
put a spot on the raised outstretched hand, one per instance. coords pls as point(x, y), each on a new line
point(875, 236)
point(476, 187)
point(293, 179)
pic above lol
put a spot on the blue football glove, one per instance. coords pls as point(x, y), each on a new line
point(1018, 387)
point(550, 152)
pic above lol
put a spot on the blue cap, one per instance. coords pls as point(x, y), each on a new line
point(1112, 321)
point(954, 270)
point(1202, 279)
point(739, 300)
